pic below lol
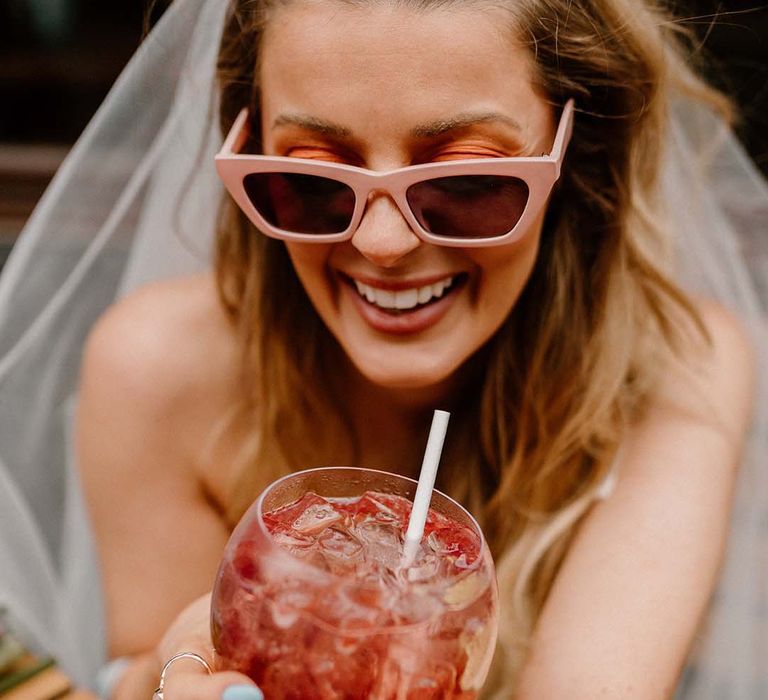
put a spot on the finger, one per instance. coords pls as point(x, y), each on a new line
point(191, 685)
point(190, 631)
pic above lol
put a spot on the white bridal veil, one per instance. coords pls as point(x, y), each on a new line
point(107, 223)
point(118, 214)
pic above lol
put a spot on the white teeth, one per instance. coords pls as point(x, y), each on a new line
point(385, 298)
point(425, 294)
point(403, 299)
point(406, 299)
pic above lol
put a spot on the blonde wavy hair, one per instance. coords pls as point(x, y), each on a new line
point(539, 426)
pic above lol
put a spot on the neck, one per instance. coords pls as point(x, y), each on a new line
point(392, 424)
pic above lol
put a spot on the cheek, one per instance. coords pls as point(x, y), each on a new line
point(310, 262)
point(505, 271)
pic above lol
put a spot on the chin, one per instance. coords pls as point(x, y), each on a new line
point(407, 374)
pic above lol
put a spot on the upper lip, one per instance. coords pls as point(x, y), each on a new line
point(396, 285)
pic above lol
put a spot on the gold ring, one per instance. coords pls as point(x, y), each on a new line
point(158, 694)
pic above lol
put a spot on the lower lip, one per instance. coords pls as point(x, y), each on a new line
point(405, 322)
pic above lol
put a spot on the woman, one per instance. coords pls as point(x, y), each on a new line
point(599, 411)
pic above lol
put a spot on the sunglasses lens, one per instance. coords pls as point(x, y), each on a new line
point(300, 203)
point(468, 206)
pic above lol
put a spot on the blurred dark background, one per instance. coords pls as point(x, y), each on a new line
point(58, 59)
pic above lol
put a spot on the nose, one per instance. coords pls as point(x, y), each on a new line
point(384, 236)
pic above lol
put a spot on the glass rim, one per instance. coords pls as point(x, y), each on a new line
point(315, 470)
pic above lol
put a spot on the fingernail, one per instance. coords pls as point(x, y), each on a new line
point(242, 692)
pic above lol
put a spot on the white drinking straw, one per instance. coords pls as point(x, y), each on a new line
point(426, 483)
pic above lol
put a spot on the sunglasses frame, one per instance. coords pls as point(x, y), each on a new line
point(539, 173)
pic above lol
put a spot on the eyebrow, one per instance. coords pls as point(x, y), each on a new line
point(428, 130)
point(462, 121)
point(320, 126)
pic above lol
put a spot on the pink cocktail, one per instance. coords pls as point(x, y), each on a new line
point(312, 599)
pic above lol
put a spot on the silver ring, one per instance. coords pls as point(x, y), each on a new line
point(158, 694)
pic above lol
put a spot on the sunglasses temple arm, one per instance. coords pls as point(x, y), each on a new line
point(238, 134)
point(563, 136)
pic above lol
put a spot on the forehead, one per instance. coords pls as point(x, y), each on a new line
point(314, 22)
point(374, 62)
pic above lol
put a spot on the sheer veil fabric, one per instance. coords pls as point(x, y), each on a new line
point(718, 202)
point(118, 215)
point(115, 216)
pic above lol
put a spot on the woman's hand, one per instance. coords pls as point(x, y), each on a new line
point(186, 678)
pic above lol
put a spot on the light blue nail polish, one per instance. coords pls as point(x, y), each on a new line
point(242, 692)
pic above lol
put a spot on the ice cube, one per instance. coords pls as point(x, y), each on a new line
point(340, 550)
point(461, 562)
point(357, 615)
point(340, 543)
point(456, 540)
point(298, 545)
point(424, 568)
point(287, 605)
point(438, 545)
point(382, 543)
point(383, 508)
point(286, 514)
point(351, 608)
point(415, 605)
point(316, 518)
point(372, 573)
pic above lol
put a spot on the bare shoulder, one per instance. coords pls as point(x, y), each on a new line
point(181, 315)
point(162, 359)
point(163, 339)
point(698, 416)
point(731, 344)
point(713, 382)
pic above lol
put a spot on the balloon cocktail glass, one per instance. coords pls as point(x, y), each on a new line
point(313, 601)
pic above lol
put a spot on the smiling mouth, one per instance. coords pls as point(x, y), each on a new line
point(407, 301)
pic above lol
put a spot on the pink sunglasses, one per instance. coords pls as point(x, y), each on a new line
point(477, 202)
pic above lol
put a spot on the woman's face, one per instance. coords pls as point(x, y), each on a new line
point(384, 87)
